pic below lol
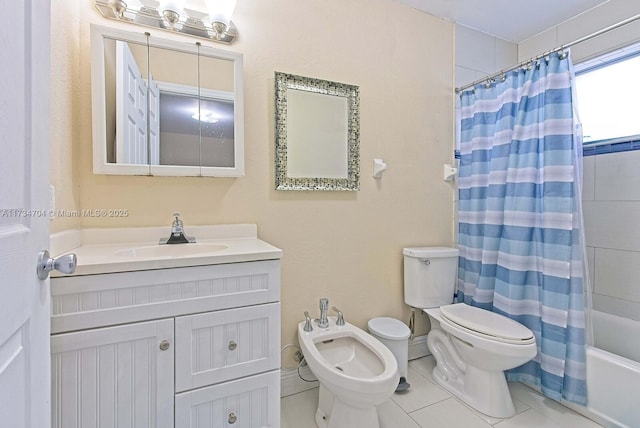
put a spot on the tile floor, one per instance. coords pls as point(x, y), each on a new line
point(428, 405)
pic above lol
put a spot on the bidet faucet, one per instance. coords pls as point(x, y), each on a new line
point(177, 232)
point(323, 321)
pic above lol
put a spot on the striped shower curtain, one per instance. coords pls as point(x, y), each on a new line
point(520, 240)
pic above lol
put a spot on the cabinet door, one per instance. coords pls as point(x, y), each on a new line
point(217, 346)
point(116, 377)
point(250, 402)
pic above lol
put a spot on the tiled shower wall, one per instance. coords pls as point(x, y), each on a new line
point(611, 202)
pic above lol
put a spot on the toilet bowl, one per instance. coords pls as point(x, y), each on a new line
point(473, 347)
point(356, 373)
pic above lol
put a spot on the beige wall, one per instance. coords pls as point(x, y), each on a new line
point(64, 109)
point(343, 245)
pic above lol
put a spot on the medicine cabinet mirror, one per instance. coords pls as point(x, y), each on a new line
point(317, 134)
point(163, 107)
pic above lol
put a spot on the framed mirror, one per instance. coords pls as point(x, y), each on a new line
point(162, 107)
point(317, 134)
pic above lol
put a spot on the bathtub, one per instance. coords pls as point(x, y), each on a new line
point(613, 372)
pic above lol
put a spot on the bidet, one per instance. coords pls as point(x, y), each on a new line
point(355, 370)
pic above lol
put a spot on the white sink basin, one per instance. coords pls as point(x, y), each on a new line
point(171, 250)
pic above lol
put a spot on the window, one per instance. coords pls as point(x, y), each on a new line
point(607, 92)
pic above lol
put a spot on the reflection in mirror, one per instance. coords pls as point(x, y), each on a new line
point(216, 110)
point(126, 101)
point(317, 134)
point(165, 108)
point(175, 134)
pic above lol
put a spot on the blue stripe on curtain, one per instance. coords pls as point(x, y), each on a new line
point(520, 249)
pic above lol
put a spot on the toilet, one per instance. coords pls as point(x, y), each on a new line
point(472, 346)
point(355, 370)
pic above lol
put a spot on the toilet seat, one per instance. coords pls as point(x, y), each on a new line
point(486, 324)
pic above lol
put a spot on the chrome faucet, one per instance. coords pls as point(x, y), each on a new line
point(177, 232)
point(323, 321)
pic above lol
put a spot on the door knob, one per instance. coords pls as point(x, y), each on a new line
point(64, 264)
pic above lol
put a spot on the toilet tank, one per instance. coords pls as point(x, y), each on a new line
point(430, 275)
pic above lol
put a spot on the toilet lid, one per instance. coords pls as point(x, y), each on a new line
point(486, 322)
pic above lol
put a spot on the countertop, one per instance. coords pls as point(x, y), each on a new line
point(133, 249)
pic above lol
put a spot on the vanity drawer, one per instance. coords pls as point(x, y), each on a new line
point(81, 302)
point(252, 402)
point(218, 346)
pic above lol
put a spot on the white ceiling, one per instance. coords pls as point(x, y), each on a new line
point(511, 20)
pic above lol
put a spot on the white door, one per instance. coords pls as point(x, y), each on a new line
point(25, 385)
point(131, 108)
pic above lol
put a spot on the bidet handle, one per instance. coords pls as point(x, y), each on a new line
point(340, 320)
point(307, 322)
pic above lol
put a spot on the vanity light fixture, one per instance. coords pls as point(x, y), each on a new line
point(118, 7)
point(220, 12)
point(176, 15)
point(171, 11)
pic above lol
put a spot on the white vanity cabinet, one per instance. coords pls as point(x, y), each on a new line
point(180, 347)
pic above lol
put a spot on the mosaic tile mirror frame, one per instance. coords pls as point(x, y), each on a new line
point(317, 134)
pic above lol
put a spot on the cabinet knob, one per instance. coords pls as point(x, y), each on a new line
point(232, 418)
point(232, 346)
point(164, 345)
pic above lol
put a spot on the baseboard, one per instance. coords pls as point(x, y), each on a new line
point(418, 347)
point(290, 382)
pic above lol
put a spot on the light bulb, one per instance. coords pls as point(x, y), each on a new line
point(220, 11)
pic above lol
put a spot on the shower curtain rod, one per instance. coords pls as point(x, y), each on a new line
point(557, 49)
